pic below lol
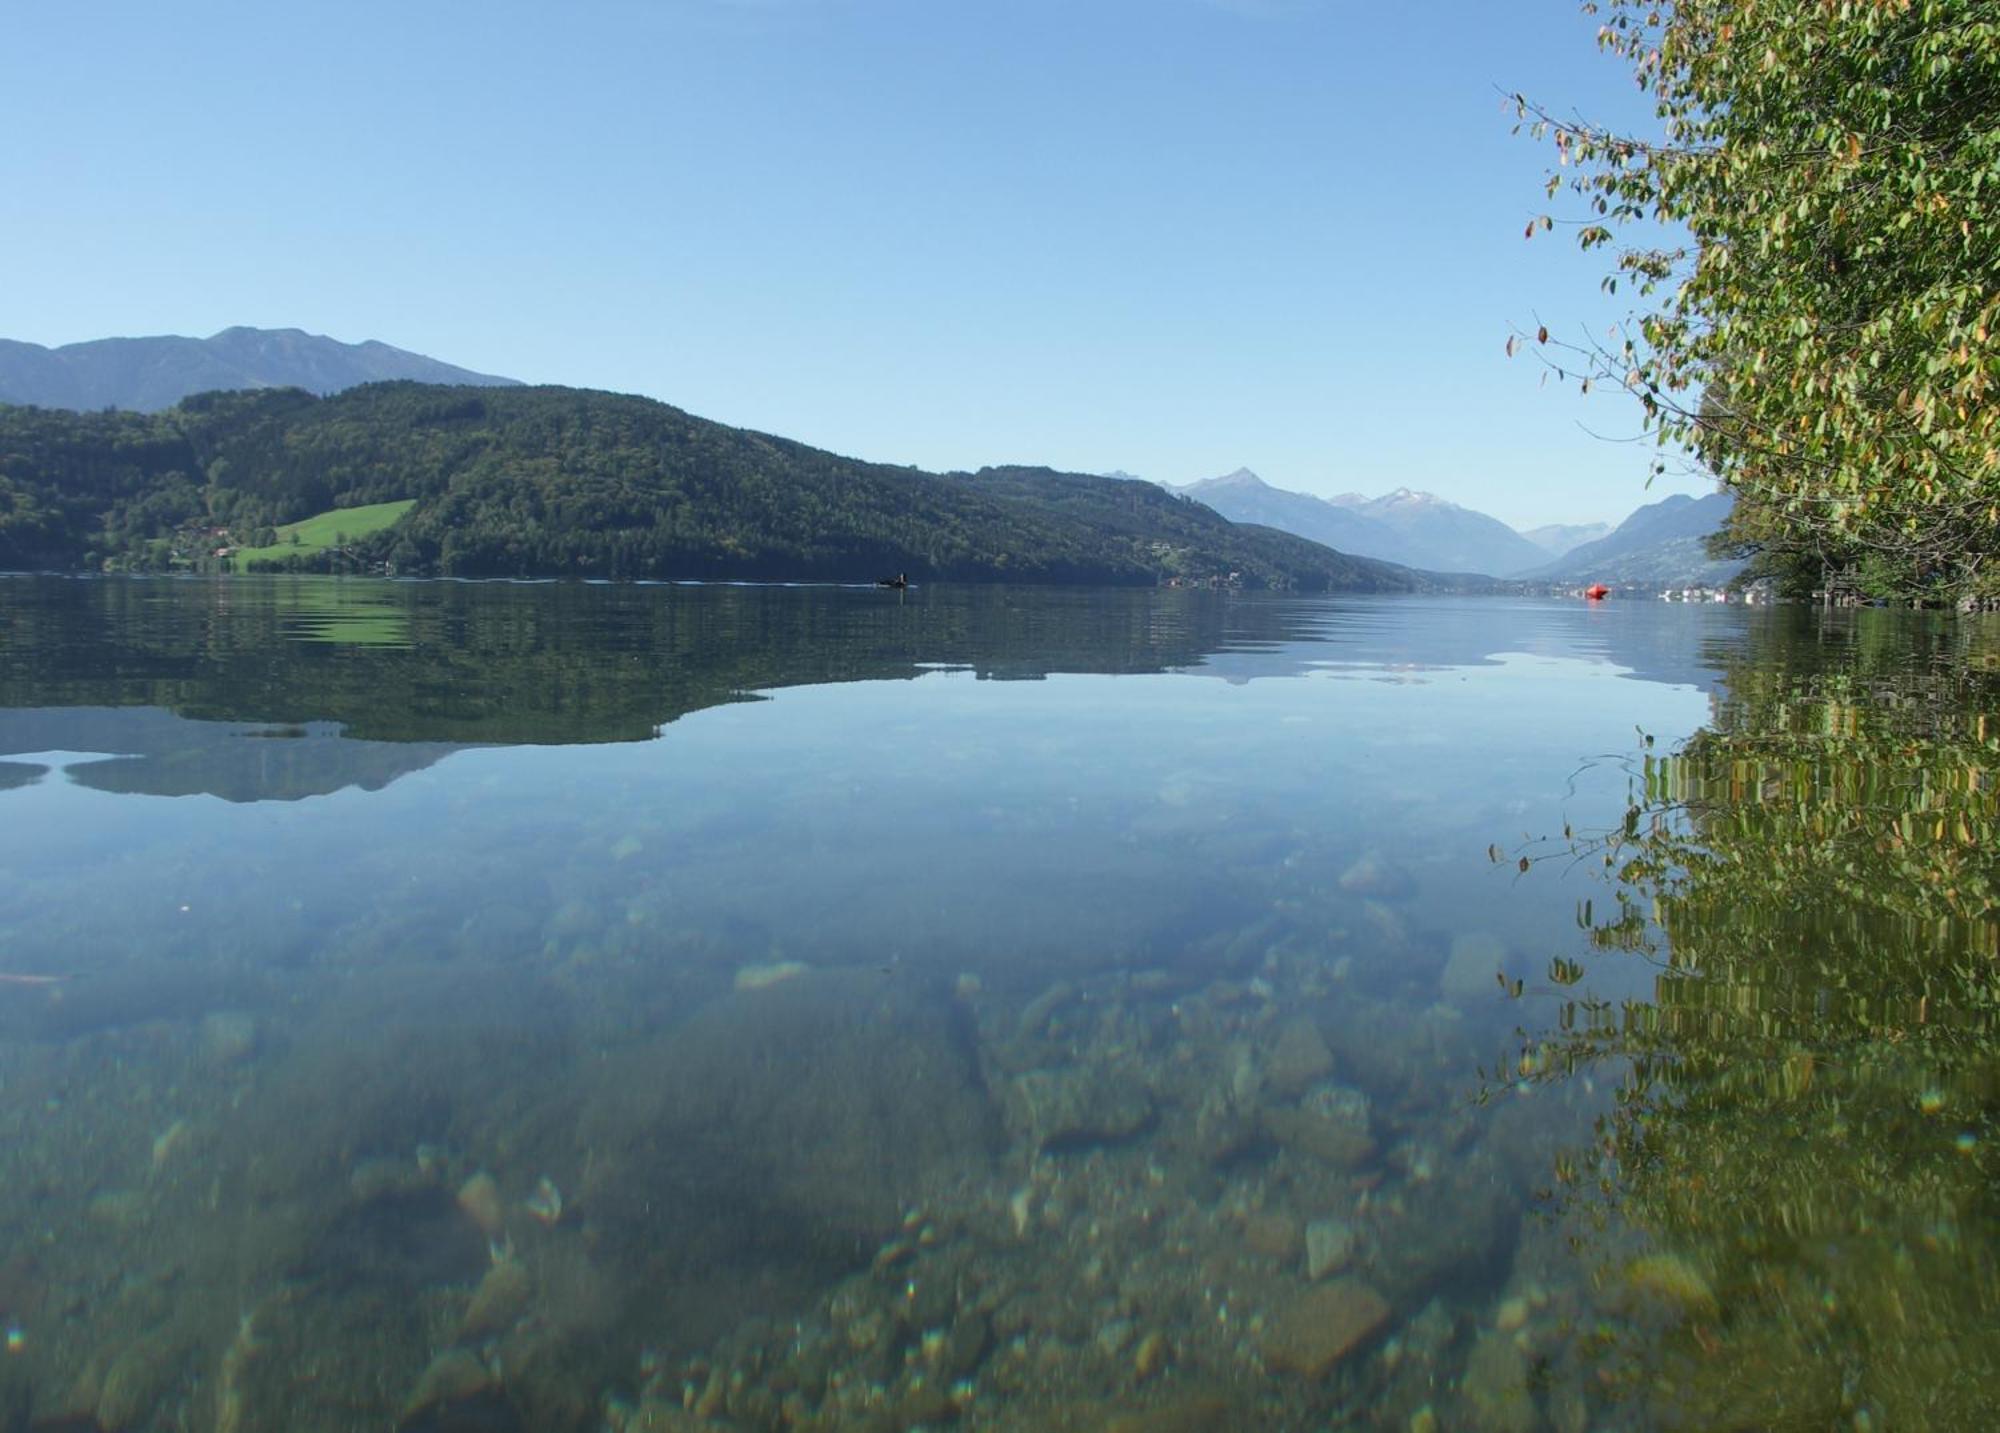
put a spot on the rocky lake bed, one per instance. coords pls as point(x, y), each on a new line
point(823, 1198)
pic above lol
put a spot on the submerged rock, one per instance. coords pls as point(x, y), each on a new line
point(1459, 1229)
point(483, 1412)
point(480, 1198)
point(1329, 1247)
point(501, 1298)
point(1077, 1105)
point(1496, 1385)
point(810, 1112)
point(451, 1377)
point(1299, 1059)
point(1036, 1013)
point(1321, 1327)
point(1330, 1124)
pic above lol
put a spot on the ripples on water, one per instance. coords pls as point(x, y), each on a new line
point(566, 1007)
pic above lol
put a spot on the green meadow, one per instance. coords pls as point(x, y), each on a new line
point(313, 535)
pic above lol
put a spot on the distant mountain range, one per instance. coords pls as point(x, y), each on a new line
point(1660, 545)
point(1414, 529)
point(1448, 537)
point(147, 374)
point(1242, 496)
point(1559, 537)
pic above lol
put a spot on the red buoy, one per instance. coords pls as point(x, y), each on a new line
point(1597, 592)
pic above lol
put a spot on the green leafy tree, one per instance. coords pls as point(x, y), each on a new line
point(1826, 337)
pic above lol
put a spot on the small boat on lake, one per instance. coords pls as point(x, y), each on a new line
point(899, 581)
point(1597, 592)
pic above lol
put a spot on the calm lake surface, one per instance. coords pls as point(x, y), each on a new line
point(557, 1007)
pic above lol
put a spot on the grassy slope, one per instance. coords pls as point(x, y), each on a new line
point(322, 530)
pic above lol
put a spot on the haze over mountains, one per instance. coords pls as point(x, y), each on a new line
point(1415, 529)
point(148, 374)
point(1556, 538)
point(1659, 545)
point(1453, 538)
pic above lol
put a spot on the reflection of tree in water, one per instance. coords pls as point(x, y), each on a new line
point(1806, 1118)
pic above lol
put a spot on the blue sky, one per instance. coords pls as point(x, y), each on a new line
point(1166, 236)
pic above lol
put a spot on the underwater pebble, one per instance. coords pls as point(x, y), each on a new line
point(1151, 1355)
point(1673, 1278)
point(480, 1198)
point(546, 1203)
point(1020, 1209)
point(762, 977)
point(1329, 1247)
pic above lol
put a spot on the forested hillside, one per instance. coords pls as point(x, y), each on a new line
point(560, 481)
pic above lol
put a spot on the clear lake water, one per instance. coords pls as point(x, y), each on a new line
point(434, 1006)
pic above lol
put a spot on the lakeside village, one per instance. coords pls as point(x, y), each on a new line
point(1762, 592)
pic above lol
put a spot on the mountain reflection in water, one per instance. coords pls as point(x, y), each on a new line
point(666, 1008)
point(368, 681)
